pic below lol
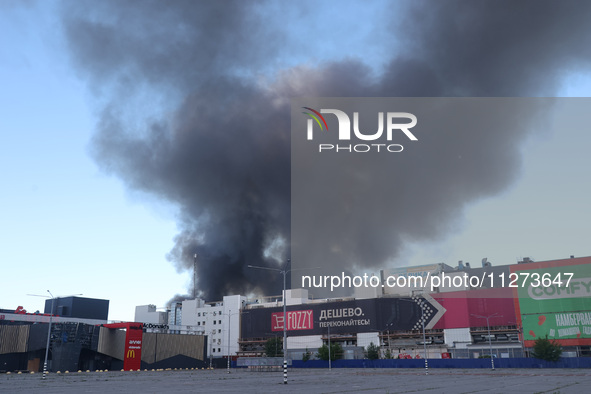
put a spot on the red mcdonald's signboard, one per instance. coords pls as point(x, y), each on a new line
point(132, 356)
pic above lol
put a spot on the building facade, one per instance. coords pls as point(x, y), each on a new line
point(470, 312)
point(466, 312)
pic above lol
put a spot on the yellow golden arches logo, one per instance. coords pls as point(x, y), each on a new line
point(130, 353)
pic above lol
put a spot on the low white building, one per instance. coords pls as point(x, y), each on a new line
point(150, 314)
point(220, 321)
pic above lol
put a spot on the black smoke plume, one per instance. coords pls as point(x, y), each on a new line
point(185, 115)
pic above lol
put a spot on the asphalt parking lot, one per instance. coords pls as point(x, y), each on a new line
point(342, 380)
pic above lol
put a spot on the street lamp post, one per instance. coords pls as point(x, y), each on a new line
point(48, 330)
point(389, 339)
point(285, 325)
point(329, 358)
point(424, 338)
point(48, 336)
point(195, 276)
point(210, 350)
point(229, 325)
point(284, 272)
point(422, 305)
point(492, 359)
point(45, 371)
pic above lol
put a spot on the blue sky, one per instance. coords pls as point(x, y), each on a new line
point(68, 227)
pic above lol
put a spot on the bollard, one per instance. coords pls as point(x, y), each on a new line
point(284, 371)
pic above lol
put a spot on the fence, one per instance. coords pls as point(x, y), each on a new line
point(567, 362)
point(261, 364)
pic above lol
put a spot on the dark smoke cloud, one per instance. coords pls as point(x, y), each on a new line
point(178, 298)
point(490, 48)
point(214, 140)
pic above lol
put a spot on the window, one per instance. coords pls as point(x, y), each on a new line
point(199, 314)
point(214, 322)
point(213, 350)
point(198, 323)
point(220, 322)
point(219, 350)
point(219, 331)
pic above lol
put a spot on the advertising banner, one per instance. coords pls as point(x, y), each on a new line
point(554, 299)
point(342, 317)
point(133, 347)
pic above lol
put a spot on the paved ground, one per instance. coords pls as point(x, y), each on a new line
point(307, 381)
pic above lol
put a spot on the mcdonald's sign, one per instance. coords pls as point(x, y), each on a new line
point(132, 354)
point(133, 348)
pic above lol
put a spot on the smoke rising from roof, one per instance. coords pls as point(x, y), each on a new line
point(184, 117)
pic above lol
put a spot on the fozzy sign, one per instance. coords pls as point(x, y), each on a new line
point(341, 317)
point(296, 320)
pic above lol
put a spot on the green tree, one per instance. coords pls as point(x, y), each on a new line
point(274, 347)
point(306, 356)
point(546, 349)
point(372, 351)
point(322, 353)
point(336, 352)
point(388, 354)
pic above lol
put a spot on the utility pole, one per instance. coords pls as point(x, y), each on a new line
point(229, 322)
point(195, 276)
point(329, 358)
point(284, 272)
point(45, 371)
point(421, 304)
point(492, 359)
point(210, 351)
point(424, 339)
point(48, 336)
